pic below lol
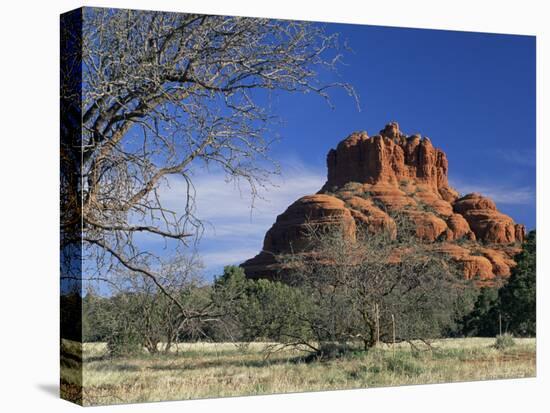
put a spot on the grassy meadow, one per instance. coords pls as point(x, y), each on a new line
point(201, 370)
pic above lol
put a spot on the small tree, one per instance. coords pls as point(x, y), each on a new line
point(140, 316)
point(124, 339)
point(229, 297)
point(483, 320)
point(96, 315)
point(260, 309)
point(512, 308)
point(357, 283)
point(518, 297)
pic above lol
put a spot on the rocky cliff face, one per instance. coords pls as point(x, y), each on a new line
point(370, 178)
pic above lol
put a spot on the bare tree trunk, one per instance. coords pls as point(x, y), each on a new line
point(377, 315)
point(393, 332)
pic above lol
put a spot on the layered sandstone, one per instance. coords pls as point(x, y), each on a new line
point(389, 157)
point(486, 222)
point(372, 178)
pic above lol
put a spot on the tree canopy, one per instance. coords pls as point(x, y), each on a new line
point(512, 308)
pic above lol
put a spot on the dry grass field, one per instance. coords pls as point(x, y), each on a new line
point(202, 370)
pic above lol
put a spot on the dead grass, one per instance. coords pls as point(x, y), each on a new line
point(201, 370)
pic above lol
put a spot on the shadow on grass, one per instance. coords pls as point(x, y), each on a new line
point(91, 359)
point(162, 362)
point(116, 367)
point(231, 363)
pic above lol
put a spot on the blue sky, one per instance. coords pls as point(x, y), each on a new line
point(473, 94)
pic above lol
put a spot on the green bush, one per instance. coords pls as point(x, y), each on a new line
point(260, 309)
point(504, 341)
point(483, 320)
point(333, 350)
point(403, 365)
point(329, 351)
point(124, 344)
point(353, 186)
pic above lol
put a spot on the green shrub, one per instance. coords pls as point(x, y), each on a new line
point(504, 341)
point(329, 351)
point(352, 186)
point(379, 204)
point(124, 344)
point(333, 350)
point(403, 365)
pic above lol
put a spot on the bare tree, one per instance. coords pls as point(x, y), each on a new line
point(361, 284)
point(164, 94)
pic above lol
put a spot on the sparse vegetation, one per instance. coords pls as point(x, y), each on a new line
point(353, 186)
point(379, 204)
point(365, 195)
point(198, 370)
point(504, 341)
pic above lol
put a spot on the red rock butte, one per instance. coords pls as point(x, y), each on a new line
point(370, 178)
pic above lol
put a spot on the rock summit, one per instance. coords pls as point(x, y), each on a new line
point(371, 178)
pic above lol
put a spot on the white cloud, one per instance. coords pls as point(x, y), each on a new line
point(501, 194)
point(218, 259)
point(526, 157)
point(235, 224)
